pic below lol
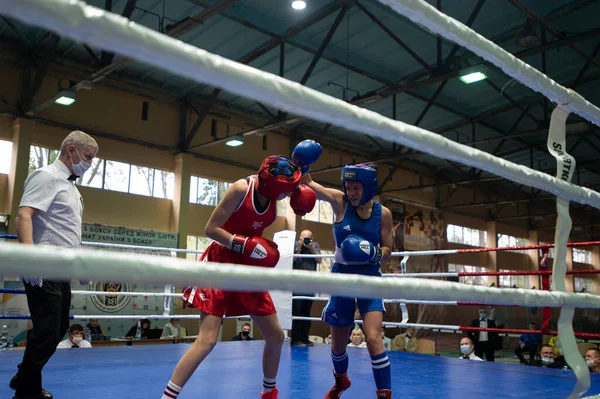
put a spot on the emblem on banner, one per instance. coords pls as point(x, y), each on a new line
point(111, 303)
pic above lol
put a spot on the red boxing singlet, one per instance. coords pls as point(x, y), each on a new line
point(245, 220)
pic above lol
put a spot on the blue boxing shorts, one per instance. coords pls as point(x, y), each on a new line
point(339, 311)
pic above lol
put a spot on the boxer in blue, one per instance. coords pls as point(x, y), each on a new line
point(363, 239)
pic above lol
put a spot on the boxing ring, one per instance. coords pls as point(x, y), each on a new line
point(301, 370)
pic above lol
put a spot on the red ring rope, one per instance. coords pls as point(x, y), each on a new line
point(538, 246)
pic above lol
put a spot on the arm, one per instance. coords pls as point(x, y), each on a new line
point(232, 199)
point(315, 249)
point(333, 196)
point(24, 224)
point(387, 239)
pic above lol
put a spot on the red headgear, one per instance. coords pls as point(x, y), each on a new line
point(278, 175)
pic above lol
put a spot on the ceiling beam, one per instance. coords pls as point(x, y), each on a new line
point(107, 57)
point(533, 15)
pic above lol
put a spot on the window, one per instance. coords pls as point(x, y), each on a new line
point(40, 157)
point(197, 244)
point(582, 256)
point(474, 280)
point(207, 192)
point(585, 285)
point(513, 281)
point(510, 241)
point(325, 265)
point(321, 213)
point(113, 175)
point(5, 156)
point(466, 236)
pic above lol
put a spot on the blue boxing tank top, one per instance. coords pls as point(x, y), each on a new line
point(352, 224)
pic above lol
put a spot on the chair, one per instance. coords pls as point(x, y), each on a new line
point(316, 339)
point(425, 346)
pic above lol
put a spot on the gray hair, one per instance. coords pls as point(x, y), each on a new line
point(78, 139)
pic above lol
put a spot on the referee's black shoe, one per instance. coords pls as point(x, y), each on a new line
point(43, 395)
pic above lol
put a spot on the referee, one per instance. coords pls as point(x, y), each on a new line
point(50, 213)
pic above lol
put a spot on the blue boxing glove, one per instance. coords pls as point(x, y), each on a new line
point(356, 250)
point(305, 154)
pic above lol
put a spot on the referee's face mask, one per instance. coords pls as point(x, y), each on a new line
point(80, 167)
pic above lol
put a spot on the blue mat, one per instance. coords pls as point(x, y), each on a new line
point(233, 370)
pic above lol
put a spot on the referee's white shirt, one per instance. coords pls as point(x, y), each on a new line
point(60, 206)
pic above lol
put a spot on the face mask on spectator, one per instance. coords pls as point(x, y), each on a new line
point(482, 316)
point(465, 349)
point(547, 360)
point(245, 333)
point(591, 363)
point(76, 340)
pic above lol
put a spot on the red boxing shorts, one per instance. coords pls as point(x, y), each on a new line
point(221, 303)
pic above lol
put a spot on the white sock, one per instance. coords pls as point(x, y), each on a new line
point(171, 391)
point(268, 384)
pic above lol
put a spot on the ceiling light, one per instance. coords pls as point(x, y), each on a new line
point(236, 142)
point(473, 74)
point(528, 36)
point(65, 97)
point(298, 5)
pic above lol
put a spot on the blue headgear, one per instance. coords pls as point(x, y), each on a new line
point(364, 174)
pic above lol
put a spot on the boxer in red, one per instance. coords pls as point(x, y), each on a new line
point(236, 226)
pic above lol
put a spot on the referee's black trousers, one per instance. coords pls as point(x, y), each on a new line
point(49, 308)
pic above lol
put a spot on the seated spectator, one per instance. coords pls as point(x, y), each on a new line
point(592, 359)
point(96, 331)
point(548, 359)
point(358, 339)
point(405, 342)
point(328, 339)
point(74, 338)
point(173, 329)
point(467, 350)
point(244, 334)
point(528, 343)
point(387, 342)
point(145, 327)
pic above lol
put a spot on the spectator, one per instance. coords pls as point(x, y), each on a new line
point(548, 359)
point(484, 341)
point(328, 339)
point(300, 307)
point(387, 342)
point(467, 350)
point(145, 327)
point(74, 338)
point(592, 359)
point(95, 329)
point(358, 339)
point(406, 342)
point(497, 315)
point(244, 334)
point(529, 343)
point(173, 329)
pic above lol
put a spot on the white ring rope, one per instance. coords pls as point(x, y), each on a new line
point(125, 293)
point(429, 17)
point(111, 32)
point(139, 248)
point(98, 265)
point(410, 302)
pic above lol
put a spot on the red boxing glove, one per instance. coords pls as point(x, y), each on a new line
point(257, 251)
point(303, 200)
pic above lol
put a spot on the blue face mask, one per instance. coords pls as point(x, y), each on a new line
point(482, 316)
